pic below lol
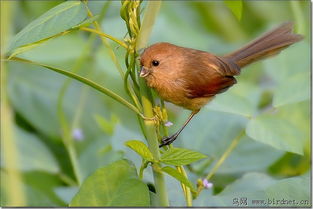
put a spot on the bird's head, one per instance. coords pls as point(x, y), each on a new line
point(157, 61)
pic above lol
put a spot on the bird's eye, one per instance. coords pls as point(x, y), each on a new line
point(155, 63)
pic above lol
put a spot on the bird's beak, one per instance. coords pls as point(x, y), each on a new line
point(144, 72)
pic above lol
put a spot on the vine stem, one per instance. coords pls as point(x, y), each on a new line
point(129, 12)
point(298, 15)
point(153, 145)
point(65, 124)
point(12, 186)
point(221, 160)
point(86, 81)
point(187, 192)
point(231, 147)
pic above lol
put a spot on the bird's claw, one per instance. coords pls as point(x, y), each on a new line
point(167, 141)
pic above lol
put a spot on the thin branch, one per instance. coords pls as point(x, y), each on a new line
point(85, 81)
point(231, 147)
point(221, 160)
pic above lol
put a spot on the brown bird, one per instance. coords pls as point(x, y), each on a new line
point(191, 78)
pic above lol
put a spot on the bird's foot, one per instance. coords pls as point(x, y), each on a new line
point(167, 140)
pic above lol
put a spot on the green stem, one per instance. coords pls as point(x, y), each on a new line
point(142, 126)
point(133, 71)
point(73, 157)
point(298, 15)
point(180, 169)
point(153, 145)
point(85, 81)
point(148, 126)
point(130, 91)
point(231, 147)
point(66, 129)
point(67, 140)
point(12, 185)
point(221, 160)
point(144, 165)
point(68, 143)
point(165, 117)
point(80, 108)
point(187, 191)
point(67, 180)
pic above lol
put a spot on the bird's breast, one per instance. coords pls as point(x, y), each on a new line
point(175, 91)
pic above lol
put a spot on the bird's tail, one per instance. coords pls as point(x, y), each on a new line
point(269, 44)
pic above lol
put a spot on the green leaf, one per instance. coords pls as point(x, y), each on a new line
point(294, 60)
point(249, 155)
point(50, 52)
point(54, 21)
point(30, 46)
point(118, 141)
point(294, 89)
point(235, 6)
point(30, 92)
point(257, 190)
point(291, 192)
point(217, 131)
point(242, 99)
point(232, 103)
point(114, 185)
point(276, 132)
point(299, 115)
point(174, 173)
point(239, 193)
point(141, 149)
point(100, 153)
point(248, 183)
point(180, 156)
point(33, 154)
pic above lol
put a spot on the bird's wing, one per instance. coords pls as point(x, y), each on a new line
point(209, 75)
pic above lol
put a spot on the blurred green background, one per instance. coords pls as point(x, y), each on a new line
point(274, 94)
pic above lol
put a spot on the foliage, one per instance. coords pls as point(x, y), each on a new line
point(179, 156)
point(72, 103)
point(114, 185)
